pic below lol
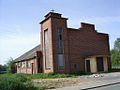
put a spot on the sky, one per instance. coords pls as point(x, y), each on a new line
point(20, 28)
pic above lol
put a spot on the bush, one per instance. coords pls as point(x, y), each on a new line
point(14, 83)
point(21, 77)
point(11, 66)
point(9, 83)
point(30, 86)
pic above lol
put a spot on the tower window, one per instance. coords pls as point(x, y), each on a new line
point(75, 66)
point(60, 37)
point(60, 53)
point(59, 40)
point(46, 49)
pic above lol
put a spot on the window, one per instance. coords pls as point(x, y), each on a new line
point(23, 65)
point(46, 49)
point(60, 50)
point(19, 64)
point(27, 64)
point(60, 60)
point(60, 37)
point(75, 66)
point(60, 40)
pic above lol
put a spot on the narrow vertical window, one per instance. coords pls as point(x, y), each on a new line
point(60, 40)
point(46, 49)
point(60, 50)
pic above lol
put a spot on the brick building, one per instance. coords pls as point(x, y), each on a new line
point(66, 50)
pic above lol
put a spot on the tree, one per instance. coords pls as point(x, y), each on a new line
point(3, 68)
point(117, 45)
point(11, 66)
point(0, 68)
point(115, 53)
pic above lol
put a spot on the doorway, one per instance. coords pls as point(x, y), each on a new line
point(88, 66)
point(32, 68)
point(100, 66)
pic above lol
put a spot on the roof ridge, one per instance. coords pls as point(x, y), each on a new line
point(29, 54)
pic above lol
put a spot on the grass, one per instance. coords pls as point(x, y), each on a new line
point(116, 66)
point(26, 77)
point(17, 82)
point(50, 75)
point(23, 81)
point(114, 70)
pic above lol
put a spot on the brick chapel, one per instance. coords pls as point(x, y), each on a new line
point(66, 50)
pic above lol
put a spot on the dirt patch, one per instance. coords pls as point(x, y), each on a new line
point(56, 83)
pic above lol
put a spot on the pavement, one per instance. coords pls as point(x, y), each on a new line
point(94, 81)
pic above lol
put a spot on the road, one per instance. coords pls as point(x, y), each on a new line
point(111, 87)
point(112, 80)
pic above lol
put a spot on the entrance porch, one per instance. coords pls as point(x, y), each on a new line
point(96, 64)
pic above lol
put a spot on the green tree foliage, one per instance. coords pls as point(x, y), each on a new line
point(3, 68)
point(115, 53)
point(117, 45)
point(11, 66)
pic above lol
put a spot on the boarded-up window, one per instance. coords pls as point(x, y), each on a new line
point(60, 50)
point(46, 48)
point(59, 40)
point(23, 64)
point(61, 60)
point(19, 64)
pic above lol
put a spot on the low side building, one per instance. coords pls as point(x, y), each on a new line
point(30, 62)
point(66, 50)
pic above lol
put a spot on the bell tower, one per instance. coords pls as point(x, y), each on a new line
point(54, 43)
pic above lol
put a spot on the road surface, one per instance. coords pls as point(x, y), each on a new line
point(111, 87)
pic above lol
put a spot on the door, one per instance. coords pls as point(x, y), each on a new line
point(100, 64)
point(32, 68)
point(88, 66)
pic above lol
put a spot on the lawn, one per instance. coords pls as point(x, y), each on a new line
point(116, 66)
point(24, 81)
point(46, 76)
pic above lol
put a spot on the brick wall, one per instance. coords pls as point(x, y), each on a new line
point(26, 69)
point(85, 42)
point(78, 44)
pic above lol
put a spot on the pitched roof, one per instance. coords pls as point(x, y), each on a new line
point(30, 54)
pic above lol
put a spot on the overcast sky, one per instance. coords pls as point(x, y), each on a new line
point(19, 21)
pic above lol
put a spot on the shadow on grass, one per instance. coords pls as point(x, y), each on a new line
point(114, 70)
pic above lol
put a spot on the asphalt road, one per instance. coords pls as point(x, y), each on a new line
point(108, 81)
point(111, 87)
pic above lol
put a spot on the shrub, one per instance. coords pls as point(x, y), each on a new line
point(9, 83)
point(30, 86)
point(21, 77)
point(14, 83)
point(11, 66)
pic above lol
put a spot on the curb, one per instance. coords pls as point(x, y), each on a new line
point(101, 86)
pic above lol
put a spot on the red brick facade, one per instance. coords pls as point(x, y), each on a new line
point(78, 44)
